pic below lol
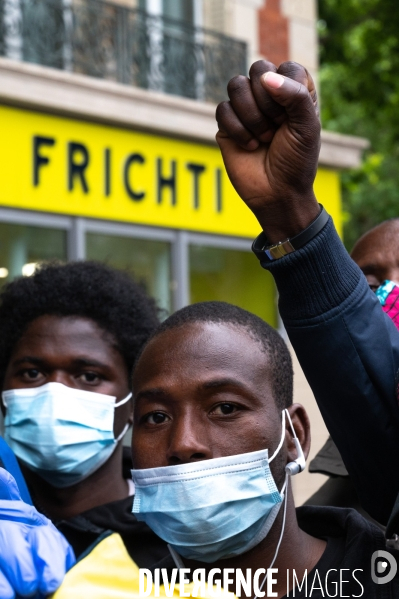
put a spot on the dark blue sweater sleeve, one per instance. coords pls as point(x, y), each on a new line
point(349, 351)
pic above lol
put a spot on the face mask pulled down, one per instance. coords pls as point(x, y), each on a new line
point(213, 509)
point(61, 433)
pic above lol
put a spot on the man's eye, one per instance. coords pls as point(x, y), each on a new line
point(156, 418)
point(225, 408)
point(90, 377)
point(373, 282)
point(32, 373)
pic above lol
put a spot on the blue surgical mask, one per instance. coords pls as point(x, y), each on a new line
point(63, 434)
point(212, 509)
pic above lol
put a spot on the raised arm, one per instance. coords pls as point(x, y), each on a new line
point(269, 135)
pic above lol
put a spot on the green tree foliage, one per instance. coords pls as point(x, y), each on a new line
point(359, 82)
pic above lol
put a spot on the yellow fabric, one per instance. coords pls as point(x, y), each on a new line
point(108, 572)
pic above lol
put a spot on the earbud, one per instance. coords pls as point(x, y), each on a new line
point(299, 464)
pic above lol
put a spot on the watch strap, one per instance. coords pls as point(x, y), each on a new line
point(267, 252)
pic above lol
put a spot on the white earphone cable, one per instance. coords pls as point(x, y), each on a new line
point(282, 439)
point(281, 535)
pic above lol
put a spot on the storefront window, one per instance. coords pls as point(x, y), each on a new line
point(232, 276)
point(148, 261)
point(22, 247)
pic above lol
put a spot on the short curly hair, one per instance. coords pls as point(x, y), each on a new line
point(88, 289)
point(269, 340)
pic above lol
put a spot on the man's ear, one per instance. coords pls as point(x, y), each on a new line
point(301, 424)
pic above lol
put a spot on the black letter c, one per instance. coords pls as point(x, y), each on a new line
point(133, 195)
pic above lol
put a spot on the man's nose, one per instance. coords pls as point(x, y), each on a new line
point(60, 376)
point(188, 442)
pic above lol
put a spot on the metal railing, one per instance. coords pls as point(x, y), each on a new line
point(115, 42)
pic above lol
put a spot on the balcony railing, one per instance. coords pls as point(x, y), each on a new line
point(110, 41)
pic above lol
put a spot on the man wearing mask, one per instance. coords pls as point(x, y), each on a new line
point(69, 336)
point(216, 439)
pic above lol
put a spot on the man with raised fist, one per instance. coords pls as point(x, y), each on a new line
point(269, 136)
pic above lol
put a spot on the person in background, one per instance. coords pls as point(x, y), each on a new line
point(69, 336)
point(377, 255)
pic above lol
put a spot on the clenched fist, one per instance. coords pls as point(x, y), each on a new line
point(269, 136)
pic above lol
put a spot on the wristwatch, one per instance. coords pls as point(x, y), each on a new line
point(267, 252)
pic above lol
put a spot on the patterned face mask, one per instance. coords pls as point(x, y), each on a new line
point(388, 295)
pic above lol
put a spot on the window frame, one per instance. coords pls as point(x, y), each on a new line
point(180, 241)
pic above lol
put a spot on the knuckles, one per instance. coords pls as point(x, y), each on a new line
point(222, 110)
point(260, 67)
point(237, 85)
point(293, 70)
point(253, 110)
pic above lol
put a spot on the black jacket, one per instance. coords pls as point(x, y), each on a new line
point(82, 531)
point(349, 351)
point(351, 542)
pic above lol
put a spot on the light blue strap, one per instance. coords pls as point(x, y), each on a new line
point(384, 290)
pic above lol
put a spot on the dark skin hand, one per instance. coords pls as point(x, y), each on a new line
point(269, 136)
point(203, 391)
point(377, 254)
point(76, 352)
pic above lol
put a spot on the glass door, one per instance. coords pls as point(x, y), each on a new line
point(148, 261)
point(234, 276)
point(23, 247)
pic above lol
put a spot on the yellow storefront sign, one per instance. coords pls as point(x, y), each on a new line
point(59, 165)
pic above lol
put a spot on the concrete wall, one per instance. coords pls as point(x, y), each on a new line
point(238, 18)
point(303, 42)
point(305, 484)
point(278, 30)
